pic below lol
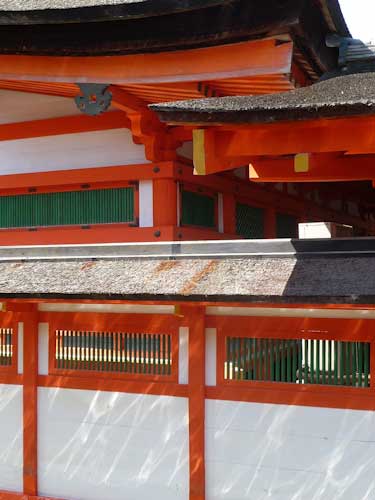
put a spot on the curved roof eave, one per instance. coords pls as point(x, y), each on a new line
point(75, 11)
point(335, 19)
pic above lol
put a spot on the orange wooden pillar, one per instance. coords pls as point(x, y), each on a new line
point(165, 202)
point(270, 223)
point(195, 319)
point(30, 410)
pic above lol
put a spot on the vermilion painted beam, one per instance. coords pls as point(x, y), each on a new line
point(322, 168)
point(234, 60)
point(63, 125)
point(220, 148)
point(111, 175)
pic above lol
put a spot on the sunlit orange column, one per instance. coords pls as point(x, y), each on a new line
point(195, 320)
point(165, 202)
point(30, 409)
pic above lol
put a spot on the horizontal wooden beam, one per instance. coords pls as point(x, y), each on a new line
point(63, 125)
point(65, 179)
point(226, 61)
point(220, 148)
point(322, 168)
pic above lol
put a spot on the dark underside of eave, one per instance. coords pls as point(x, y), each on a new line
point(365, 300)
point(141, 27)
point(229, 22)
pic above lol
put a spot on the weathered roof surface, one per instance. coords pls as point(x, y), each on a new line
point(161, 5)
point(347, 95)
point(282, 271)
point(92, 27)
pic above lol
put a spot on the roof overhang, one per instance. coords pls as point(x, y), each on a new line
point(130, 27)
point(260, 271)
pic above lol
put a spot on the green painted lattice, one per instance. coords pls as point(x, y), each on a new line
point(67, 208)
point(286, 226)
point(197, 209)
point(304, 361)
point(142, 353)
point(249, 221)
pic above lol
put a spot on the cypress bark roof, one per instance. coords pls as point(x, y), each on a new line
point(282, 271)
point(140, 6)
point(92, 27)
point(348, 95)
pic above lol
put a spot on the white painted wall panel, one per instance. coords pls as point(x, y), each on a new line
point(211, 341)
point(108, 308)
point(11, 438)
point(23, 106)
point(43, 341)
point(70, 151)
point(183, 355)
point(112, 446)
point(20, 349)
point(146, 204)
point(259, 451)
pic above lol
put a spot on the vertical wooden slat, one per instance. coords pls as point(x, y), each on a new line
point(360, 364)
point(366, 364)
point(277, 361)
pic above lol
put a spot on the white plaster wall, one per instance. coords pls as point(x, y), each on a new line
point(70, 151)
point(11, 438)
point(23, 106)
point(112, 446)
point(261, 451)
point(108, 308)
point(210, 355)
point(146, 204)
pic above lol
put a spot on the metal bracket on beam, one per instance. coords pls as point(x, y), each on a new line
point(95, 98)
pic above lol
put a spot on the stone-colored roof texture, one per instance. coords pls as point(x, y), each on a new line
point(264, 272)
point(24, 5)
point(28, 5)
point(348, 95)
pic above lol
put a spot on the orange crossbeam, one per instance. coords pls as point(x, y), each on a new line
point(63, 125)
point(227, 61)
point(322, 168)
point(221, 148)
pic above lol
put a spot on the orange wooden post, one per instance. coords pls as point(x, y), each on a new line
point(30, 375)
point(270, 223)
point(229, 213)
point(165, 202)
point(195, 319)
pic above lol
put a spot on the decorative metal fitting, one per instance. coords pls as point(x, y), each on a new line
point(95, 98)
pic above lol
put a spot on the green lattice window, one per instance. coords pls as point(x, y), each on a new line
point(197, 209)
point(116, 352)
point(286, 226)
point(249, 221)
point(97, 206)
point(301, 361)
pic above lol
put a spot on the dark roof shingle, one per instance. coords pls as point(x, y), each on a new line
point(347, 95)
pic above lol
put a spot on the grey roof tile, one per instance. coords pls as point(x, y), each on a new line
point(347, 95)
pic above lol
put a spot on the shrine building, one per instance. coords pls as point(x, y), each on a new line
point(187, 222)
